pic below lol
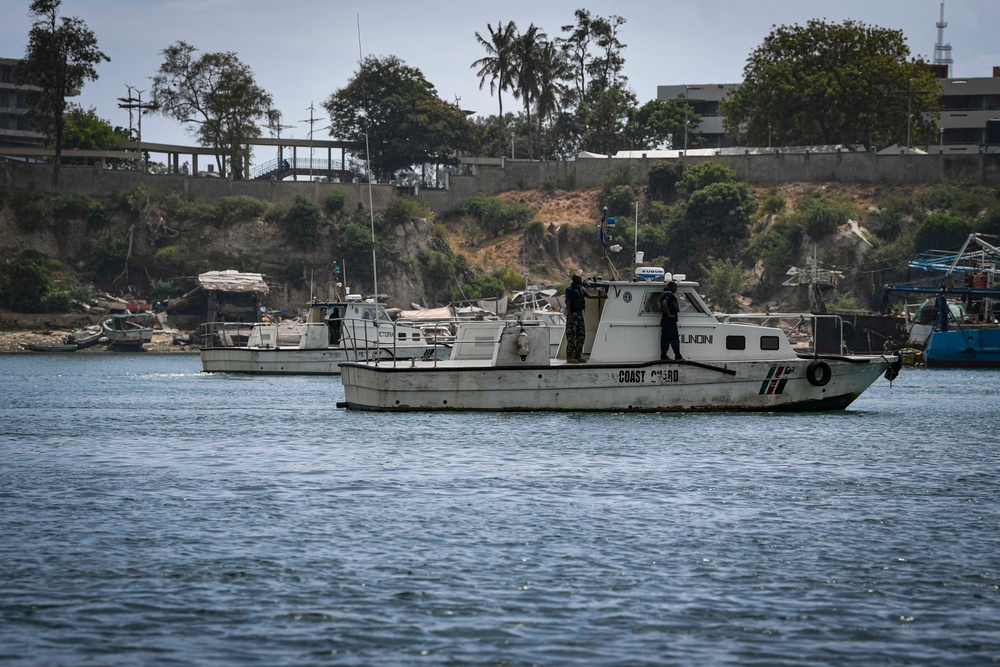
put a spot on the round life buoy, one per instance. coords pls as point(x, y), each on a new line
point(818, 373)
point(969, 353)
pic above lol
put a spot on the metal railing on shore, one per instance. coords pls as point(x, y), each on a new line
point(287, 166)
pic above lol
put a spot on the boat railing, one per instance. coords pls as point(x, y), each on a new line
point(224, 334)
point(809, 334)
point(463, 339)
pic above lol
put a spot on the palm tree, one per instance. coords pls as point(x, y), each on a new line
point(528, 52)
point(552, 70)
point(497, 65)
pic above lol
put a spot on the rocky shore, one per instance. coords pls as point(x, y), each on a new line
point(14, 341)
point(18, 329)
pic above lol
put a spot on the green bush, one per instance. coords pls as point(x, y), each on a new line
point(723, 282)
point(403, 209)
point(618, 199)
point(535, 230)
point(820, 216)
point(702, 175)
point(161, 290)
point(334, 201)
point(437, 266)
point(662, 180)
point(106, 252)
point(773, 203)
point(493, 217)
point(776, 250)
point(231, 210)
point(966, 199)
point(941, 232)
point(134, 199)
point(549, 185)
point(25, 282)
point(301, 222)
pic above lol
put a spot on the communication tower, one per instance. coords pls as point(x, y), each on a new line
point(942, 51)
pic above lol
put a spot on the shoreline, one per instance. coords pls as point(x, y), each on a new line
point(11, 341)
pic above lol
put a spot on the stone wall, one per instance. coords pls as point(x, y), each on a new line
point(761, 169)
point(96, 182)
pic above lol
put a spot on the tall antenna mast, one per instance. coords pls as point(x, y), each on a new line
point(942, 51)
point(368, 166)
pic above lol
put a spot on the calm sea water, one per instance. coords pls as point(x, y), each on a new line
point(153, 515)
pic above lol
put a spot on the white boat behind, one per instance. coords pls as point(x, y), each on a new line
point(333, 333)
point(728, 365)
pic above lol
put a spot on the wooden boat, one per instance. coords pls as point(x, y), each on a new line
point(128, 330)
point(55, 347)
point(86, 337)
point(729, 363)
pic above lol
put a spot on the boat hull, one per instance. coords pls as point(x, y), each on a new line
point(964, 348)
point(642, 387)
point(273, 361)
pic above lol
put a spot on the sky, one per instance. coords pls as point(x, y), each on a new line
point(301, 51)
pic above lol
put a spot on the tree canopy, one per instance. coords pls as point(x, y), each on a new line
point(574, 85)
point(498, 66)
point(832, 83)
point(61, 56)
point(405, 120)
point(218, 94)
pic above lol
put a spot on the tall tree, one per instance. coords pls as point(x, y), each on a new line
point(218, 94)
point(551, 71)
point(830, 83)
point(576, 49)
point(606, 69)
point(657, 122)
point(85, 129)
point(497, 66)
point(61, 56)
point(606, 119)
point(528, 53)
point(405, 121)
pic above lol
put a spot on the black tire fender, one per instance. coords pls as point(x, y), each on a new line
point(969, 354)
point(818, 373)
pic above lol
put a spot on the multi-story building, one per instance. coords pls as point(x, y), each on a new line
point(970, 115)
point(14, 128)
point(704, 99)
point(969, 121)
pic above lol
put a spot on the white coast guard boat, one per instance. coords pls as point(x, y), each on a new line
point(727, 365)
point(334, 332)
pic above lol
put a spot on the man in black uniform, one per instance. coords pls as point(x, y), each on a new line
point(669, 337)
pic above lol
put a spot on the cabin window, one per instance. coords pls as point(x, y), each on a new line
point(769, 342)
point(689, 304)
point(686, 301)
point(736, 342)
point(401, 335)
point(652, 303)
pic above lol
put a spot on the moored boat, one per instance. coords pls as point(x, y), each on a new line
point(962, 320)
point(334, 332)
point(727, 365)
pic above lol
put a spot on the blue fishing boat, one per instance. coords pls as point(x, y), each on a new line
point(967, 337)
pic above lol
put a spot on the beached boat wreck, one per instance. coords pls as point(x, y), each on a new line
point(128, 331)
point(728, 364)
